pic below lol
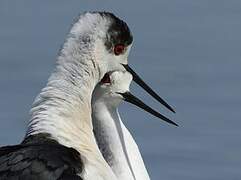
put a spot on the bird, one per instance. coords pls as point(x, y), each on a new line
point(113, 138)
point(59, 143)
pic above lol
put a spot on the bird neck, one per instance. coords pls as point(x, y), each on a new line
point(116, 143)
point(63, 108)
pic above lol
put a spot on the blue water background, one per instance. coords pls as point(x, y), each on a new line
point(189, 51)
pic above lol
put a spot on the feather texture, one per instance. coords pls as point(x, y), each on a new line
point(39, 157)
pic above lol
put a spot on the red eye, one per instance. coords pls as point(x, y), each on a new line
point(105, 79)
point(119, 49)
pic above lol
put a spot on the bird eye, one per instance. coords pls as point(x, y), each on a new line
point(106, 79)
point(119, 49)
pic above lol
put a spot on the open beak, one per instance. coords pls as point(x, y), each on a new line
point(141, 83)
point(134, 100)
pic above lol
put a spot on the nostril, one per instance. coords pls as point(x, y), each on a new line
point(106, 79)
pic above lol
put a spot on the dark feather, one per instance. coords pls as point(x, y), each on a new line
point(39, 158)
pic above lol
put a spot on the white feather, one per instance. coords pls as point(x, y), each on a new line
point(115, 141)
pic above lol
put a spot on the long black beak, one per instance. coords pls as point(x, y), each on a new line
point(134, 100)
point(141, 83)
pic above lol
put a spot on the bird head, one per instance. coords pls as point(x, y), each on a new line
point(99, 40)
point(114, 88)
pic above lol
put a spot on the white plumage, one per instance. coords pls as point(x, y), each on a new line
point(114, 139)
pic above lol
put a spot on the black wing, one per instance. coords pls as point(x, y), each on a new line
point(39, 161)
